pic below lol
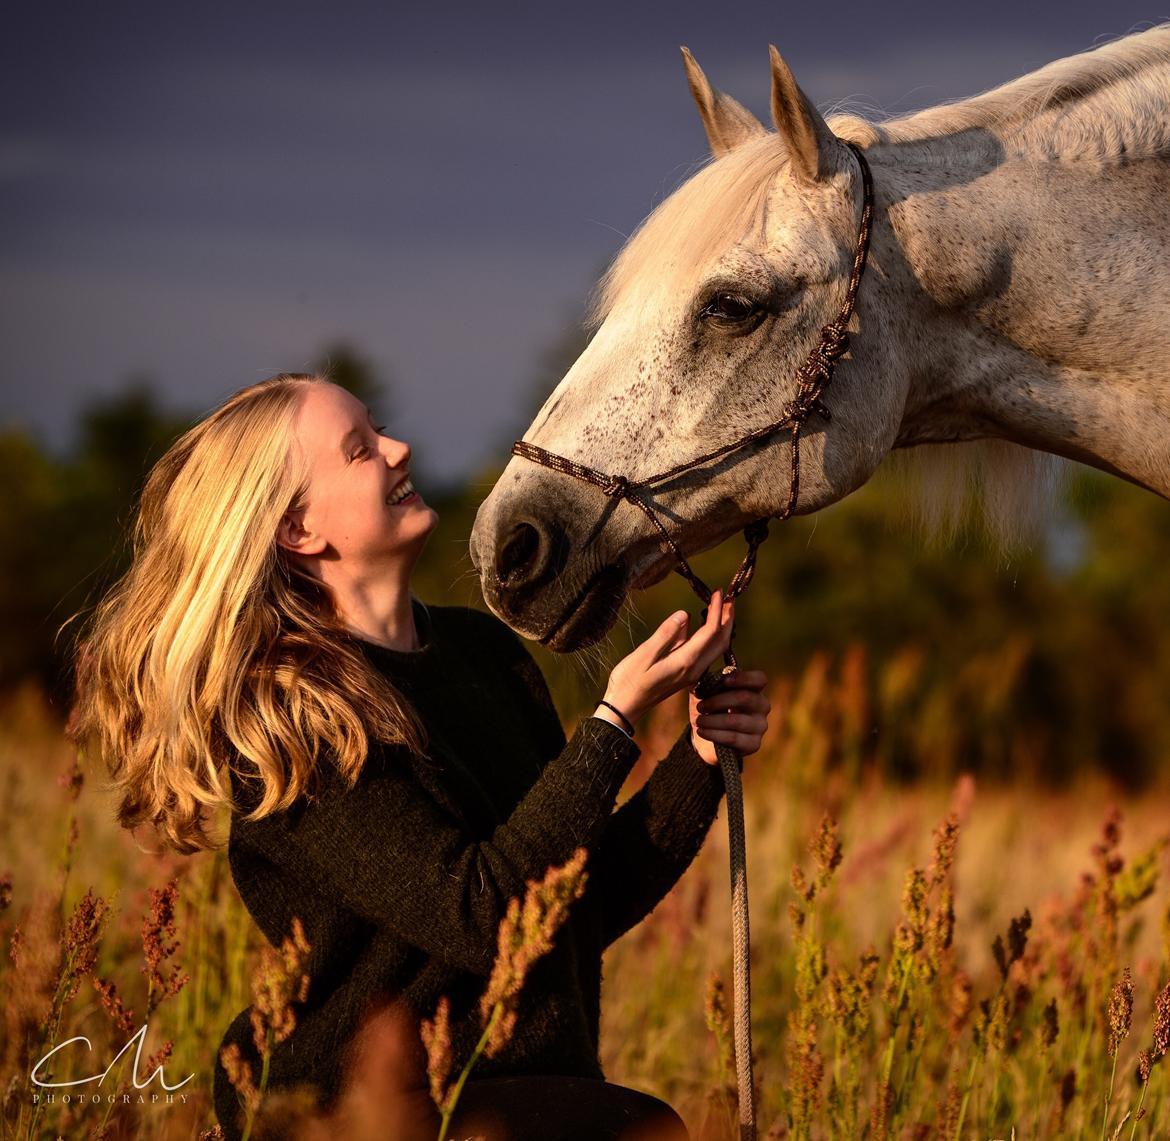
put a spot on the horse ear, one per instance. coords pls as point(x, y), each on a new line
point(727, 122)
point(809, 138)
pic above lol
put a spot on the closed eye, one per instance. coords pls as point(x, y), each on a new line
point(364, 449)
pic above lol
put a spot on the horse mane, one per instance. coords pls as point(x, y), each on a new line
point(1106, 103)
point(1007, 490)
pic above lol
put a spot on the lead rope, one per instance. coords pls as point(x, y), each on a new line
point(812, 377)
point(729, 761)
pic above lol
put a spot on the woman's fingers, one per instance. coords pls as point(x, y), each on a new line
point(706, 642)
point(747, 679)
point(667, 635)
point(736, 716)
point(671, 659)
point(716, 632)
point(737, 722)
point(743, 743)
point(749, 700)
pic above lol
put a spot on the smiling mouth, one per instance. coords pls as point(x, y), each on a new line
point(404, 491)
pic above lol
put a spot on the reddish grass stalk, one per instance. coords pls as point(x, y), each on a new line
point(279, 980)
point(525, 935)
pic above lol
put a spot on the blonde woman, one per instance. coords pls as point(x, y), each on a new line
point(394, 772)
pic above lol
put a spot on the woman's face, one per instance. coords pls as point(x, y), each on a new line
point(356, 475)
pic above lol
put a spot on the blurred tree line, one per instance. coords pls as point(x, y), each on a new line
point(933, 657)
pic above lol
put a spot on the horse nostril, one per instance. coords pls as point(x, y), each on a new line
point(518, 553)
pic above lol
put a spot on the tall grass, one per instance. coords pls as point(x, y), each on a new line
point(929, 961)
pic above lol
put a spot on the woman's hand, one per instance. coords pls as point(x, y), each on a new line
point(669, 660)
point(735, 716)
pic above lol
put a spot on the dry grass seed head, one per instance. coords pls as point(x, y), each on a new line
point(81, 941)
point(158, 927)
point(1049, 1025)
point(526, 934)
point(826, 849)
point(280, 979)
point(1120, 1011)
point(436, 1036)
point(239, 1072)
point(1162, 1022)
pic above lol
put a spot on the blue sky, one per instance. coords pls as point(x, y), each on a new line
point(211, 194)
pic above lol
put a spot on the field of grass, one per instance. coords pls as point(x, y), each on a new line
point(929, 961)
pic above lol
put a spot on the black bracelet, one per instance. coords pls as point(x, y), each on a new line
point(625, 720)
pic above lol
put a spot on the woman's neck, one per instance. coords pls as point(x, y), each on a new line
point(380, 612)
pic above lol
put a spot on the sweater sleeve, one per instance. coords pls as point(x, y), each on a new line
point(394, 856)
point(653, 838)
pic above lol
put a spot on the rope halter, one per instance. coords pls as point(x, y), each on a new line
point(812, 378)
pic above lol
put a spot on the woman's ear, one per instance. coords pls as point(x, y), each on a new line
point(292, 535)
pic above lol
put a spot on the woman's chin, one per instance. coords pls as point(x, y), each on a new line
point(412, 508)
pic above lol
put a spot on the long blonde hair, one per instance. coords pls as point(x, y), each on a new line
point(215, 641)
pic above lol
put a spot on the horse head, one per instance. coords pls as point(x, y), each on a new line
point(700, 327)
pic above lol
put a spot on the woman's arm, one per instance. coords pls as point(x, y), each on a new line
point(391, 854)
point(649, 842)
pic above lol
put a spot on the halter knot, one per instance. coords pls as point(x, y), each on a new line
point(834, 340)
point(823, 359)
point(617, 487)
point(756, 532)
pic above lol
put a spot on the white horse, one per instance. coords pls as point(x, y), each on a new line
point(1017, 290)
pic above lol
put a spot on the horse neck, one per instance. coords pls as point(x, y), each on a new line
point(1031, 295)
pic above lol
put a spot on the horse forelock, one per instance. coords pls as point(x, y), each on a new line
point(706, 215)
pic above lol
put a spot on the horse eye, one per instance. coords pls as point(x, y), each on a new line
point(729, 309)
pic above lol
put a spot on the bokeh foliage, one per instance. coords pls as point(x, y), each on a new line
point(1040, 661)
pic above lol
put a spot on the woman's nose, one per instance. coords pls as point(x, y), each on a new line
point(397, 452)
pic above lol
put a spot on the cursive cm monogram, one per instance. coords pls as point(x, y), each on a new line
point(139, 1037)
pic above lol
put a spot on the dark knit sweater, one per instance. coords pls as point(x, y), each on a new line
point(402, 881)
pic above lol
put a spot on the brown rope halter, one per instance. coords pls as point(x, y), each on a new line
point(812, 377)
